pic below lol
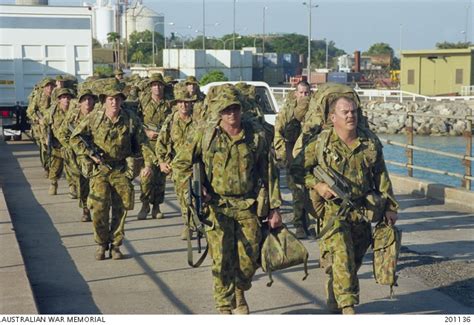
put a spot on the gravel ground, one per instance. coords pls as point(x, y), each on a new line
point(453, 278)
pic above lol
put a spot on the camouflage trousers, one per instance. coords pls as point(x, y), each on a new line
point(153, 187)
point(234, 248)
point(342, 251)
point(181, 189)
point(298, 201)
point(110, 190)
point(57, 166)
point(83, 190)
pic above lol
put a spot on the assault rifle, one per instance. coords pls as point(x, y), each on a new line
point(93, 150)
point(343, 191)
point(196, 216)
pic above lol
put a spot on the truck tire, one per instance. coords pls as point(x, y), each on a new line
point(17, 137)
point(7, 137)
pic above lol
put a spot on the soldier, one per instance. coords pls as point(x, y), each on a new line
point(171, 140)
point(235, 158)
point(192, 87)
point(353, 153)
point(287, 130)
point(170, 82)
point(74, 116)
point(54, 119)
point(38, 108)
point(155, 110)
point(118, 73)
point(116, 134)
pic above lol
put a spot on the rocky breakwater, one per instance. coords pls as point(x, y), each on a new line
point(391, 117)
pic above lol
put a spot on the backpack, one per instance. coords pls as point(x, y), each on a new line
point(386, 246)
point(281, 249)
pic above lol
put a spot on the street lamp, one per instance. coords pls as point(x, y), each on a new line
point(263, 40)
point(233, 39)
point(310, 7)
point(327, 50)
point(153, 38)
point(204, 24)
point(233, 30)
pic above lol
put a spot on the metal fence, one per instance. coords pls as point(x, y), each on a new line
point(466, 159)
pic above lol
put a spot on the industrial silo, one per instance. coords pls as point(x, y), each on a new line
point(32, 2)
point(141, 18)
point(104, 20)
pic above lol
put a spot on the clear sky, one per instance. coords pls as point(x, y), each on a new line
point(351, 24)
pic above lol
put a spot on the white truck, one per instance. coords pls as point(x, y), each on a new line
point(35, 42)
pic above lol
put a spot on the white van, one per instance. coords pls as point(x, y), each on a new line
point(264, 97)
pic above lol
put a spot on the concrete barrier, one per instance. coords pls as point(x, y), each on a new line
point(441, 192)
point(16, 296)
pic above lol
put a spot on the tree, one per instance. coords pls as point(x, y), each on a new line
point(142, 42)
point(137, 56)
point(378, 49)
point(449, 45)
point(212, 76)
point(114, 38)
point(103, 71)
point(96, 44)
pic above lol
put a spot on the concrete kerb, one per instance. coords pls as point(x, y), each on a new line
point(441, 192)
point(16, 294)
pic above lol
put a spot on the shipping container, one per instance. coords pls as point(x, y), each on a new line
point(343, 77)
point(273, 76)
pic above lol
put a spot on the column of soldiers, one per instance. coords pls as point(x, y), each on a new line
point(119, 128)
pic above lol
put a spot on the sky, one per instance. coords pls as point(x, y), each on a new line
point(351, 24)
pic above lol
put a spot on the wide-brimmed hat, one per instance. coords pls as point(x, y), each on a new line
point(156, 77)
point(118, 71)
point(109, 87)
point(64, 91)
point(47, 81)
point(227, 97)
point(182, 95)
point(86, 92)
point(191, 80)
point(60, 77)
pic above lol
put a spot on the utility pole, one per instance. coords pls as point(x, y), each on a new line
point(310, 7)
point(233, 30)
point(263, 38)
point(204, 24)
point(327, 50)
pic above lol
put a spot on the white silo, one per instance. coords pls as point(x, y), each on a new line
point(32, 2)
point(104, 20)
point(141, 18)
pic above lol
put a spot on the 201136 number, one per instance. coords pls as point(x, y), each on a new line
point(457, 319)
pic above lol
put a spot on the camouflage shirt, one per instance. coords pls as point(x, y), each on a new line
point(118, 140)
point(235, 167)
point(38, 102)
point(173, 137)
point(362, 165)
point(55, 120)
point(154, 113)
point(73, 118)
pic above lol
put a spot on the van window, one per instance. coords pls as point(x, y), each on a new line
point(263, 99)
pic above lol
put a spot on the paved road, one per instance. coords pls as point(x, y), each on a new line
point(154, 277)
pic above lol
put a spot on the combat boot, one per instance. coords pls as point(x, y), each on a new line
point(100, 252)
point(241, 306)
point(53, 188)
point(348, 310)
point(300, 233)
point(224, 311)
point(115, 253)
point(86, 215)
point(72, 192)
point(156, 213)
point(144, 211)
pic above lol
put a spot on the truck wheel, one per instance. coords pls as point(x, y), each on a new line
point(7, 137)
point(17, 137)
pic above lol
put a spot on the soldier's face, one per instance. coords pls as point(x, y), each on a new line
point(301, 91)
point(119, 76)
point(113, 102)
point(64, 101)
point(87, 103)
point(191, 88)
point(232, 116)
point(157, 89)
point(344, 117)
point(184, 107)
point(59, 84)
point(48, 89)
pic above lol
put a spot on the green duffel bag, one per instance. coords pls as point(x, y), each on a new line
point(280, 250)
point(386, 246)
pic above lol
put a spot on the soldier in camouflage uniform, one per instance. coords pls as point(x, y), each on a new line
point(155, 110)
point(235, 158)
point(171, 140)
point(74, 116)
point(38, 108)
point(192, 86)
point(118, 73)
point(54, 119)
point(118, 134)
point(287, 130)
point(355, 154)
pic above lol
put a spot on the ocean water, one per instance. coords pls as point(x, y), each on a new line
point(455, 145)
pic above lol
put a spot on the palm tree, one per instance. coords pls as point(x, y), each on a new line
point(114, 38)
point(138, 56)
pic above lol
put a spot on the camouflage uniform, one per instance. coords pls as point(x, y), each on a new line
point(199, 109)
point(39, 104)
point(234, 169)
point(73, 117)
point(59, 154)
point(171, 140)
point(110, 188)
point(346, 242)
point(154, 116)
point(287, 130)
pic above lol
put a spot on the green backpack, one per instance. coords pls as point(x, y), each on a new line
point(280, 250)
point(386, 246)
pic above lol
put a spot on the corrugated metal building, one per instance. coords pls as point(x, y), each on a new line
point(437, 72)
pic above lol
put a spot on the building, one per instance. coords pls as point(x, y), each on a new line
point(437, 72)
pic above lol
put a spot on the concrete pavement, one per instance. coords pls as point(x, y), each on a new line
point(154, 278)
